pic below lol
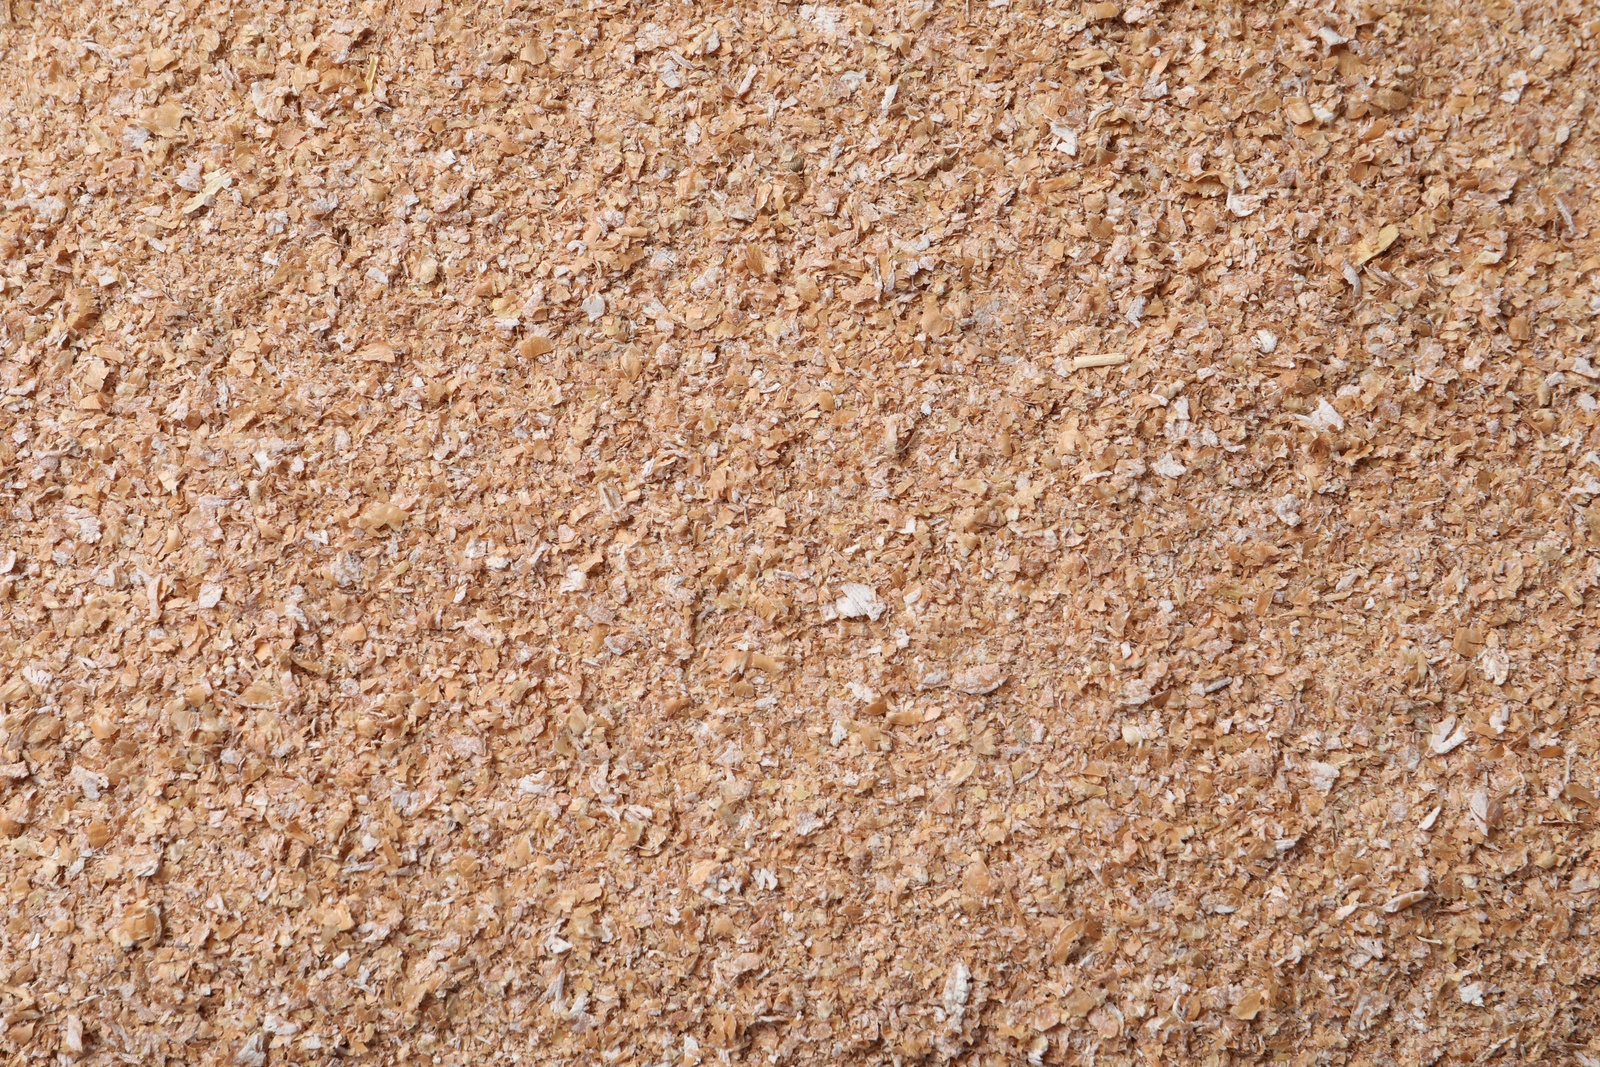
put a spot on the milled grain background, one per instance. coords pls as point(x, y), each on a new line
point(672, 534)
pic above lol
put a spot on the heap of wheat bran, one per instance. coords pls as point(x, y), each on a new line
point(678, 534)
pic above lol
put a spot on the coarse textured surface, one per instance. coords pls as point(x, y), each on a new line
point(798, 534)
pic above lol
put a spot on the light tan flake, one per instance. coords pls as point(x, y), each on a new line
point(1249, 1006)
point(1104, 359)
point(1405, 900)
point(978, 681)
point(1375, 245)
